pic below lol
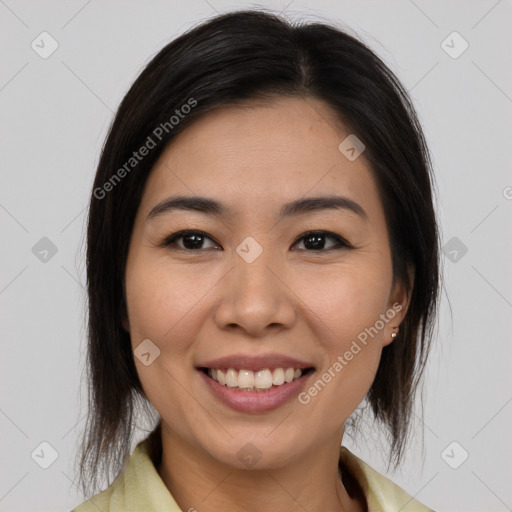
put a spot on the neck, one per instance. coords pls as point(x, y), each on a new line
point(199, 482)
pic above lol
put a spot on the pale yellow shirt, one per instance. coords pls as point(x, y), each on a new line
point(139, 488)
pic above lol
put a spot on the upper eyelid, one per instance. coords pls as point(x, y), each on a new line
point(319, 232)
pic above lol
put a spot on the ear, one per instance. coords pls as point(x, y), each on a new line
point(398, 305)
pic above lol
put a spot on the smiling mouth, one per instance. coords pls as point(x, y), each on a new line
point(258, 381)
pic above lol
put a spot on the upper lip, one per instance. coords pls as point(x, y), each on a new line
point(255, 363)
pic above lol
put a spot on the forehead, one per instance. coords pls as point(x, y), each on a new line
point(263, 155)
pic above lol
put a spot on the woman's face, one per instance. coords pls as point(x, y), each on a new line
point(251, 292)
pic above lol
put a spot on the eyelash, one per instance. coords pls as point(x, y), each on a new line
point(170, 241)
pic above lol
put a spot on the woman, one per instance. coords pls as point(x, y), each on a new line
point(262, 257)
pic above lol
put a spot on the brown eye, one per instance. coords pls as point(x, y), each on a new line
point(319, 241)
point(188, 240)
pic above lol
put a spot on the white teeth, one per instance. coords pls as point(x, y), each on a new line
point(288, 374)
point(263, 379)
point(247, 380)
point(231, 378)
point(278, 377)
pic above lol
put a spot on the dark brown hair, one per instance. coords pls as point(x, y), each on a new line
point(233, 58)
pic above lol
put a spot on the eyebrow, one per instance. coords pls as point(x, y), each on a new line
point(298, 207)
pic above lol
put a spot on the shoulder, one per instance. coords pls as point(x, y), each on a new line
point(137, 487)
point(99, 502)
point(111, 499)
point(381, 493)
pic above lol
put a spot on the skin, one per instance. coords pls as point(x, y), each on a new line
point(201, 304)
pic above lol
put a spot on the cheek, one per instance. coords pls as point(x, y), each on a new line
point(345, 307)
point(346, 300)
point(165, 306)
point(349, 366)
point(164, 303)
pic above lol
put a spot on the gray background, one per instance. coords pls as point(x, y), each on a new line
point(55, 113)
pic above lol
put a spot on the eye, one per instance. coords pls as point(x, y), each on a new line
point(190, 241)
point(316, 241)
point(312, 241)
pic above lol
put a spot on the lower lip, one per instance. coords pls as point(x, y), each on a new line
point(255, 401)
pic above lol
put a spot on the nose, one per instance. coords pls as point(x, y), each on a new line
point(254, 298)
